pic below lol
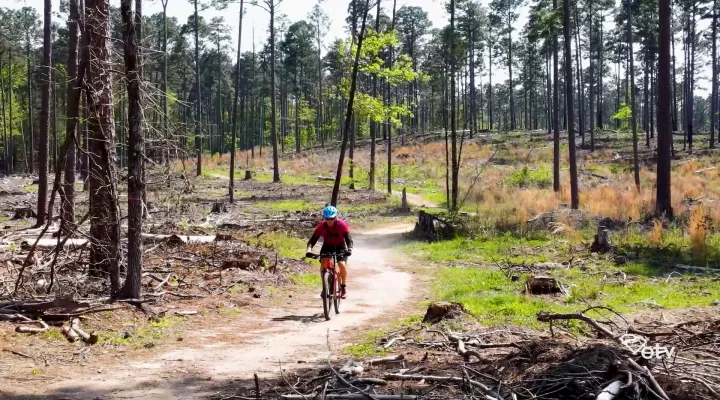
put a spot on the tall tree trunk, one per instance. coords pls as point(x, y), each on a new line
point(548, 93)
point(575, 199)
point(104, 210)
point(663, 205)
point(349, 110)
point(631, 55)
point(556, 108)
point(67, 195)
point(31, 122)
point(374, 125)
point(198, 99)
point(273, 122)
point(600, 74)
point(297, 123)
point(233, 139)
point(691, 80)
point(715, 72)
point(675, 114)
point(473, 90)
point(11, 153)
point(453, 119)
point(646, 100)
point(511, 87)
point(389, 100)
point(580, 87)
point(166, 133)
point(490, 91)
point(591, 81)
point(132, 287)
point(45, 116)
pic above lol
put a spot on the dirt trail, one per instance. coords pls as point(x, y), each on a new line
point(255, 344)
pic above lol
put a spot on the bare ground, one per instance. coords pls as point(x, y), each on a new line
point(292, 334)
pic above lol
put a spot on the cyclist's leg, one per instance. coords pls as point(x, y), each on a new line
point(342, 265)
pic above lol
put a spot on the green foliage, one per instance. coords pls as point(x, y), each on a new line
point(624, 115)
point(525, 177)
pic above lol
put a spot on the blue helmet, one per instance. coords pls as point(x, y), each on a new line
point(330, 212)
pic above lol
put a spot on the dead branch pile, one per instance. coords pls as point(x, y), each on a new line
point(657, 361)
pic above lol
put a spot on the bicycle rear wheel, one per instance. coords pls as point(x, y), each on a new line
point(327, 294)
point(337, 293)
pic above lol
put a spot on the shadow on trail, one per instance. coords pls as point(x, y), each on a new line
point(305, 319)
point(177, 388)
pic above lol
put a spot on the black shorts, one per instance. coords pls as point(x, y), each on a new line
point(340, 250)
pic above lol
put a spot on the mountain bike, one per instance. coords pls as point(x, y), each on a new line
point(331, 284)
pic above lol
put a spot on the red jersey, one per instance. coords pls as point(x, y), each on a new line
point(332, 235)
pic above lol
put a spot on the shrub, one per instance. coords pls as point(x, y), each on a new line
point(525, 177)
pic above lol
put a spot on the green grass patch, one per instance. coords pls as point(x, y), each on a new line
point(307, 279)
point(525, 177)
point(512, 248)
point(368, 345)
point(31, 188)
point(143, 336)
point(286, 245)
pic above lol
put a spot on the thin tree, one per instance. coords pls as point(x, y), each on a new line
point(453, 112)
point(198, 109)
point(715, 72)
point(102, 175)
point(45, 115)
point(165, 78)
point(663, 205)
point(349, 109)
point(631, 56)
point(374, 125)
point(131, 289)
point(67, 195)
point(388, 100)
point(271, 8)
point(235, 106)
point(574, 197)
point(556, 106)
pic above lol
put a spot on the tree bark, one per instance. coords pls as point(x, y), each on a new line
point(349, 110)
point(453, 111)
point(373, 124)
point(132, 287)
point(556, 109)
point(45, 116)
point(67, 196)
point(636, 164)
point(104, 210)
point(575, 200)
point(389, 100)
point(233, 150)
point(591, 103)
point(166, 134)
point(714, 95)
point(31, 122)
point(198, 115)
point(663, 205)
point(273, 127)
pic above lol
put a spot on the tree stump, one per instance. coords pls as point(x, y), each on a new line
point(601, 244)
point(248, 175)
point(404, 205)
point(441, 310)
point(219, 207)
point(25, 212)
point(538, 285)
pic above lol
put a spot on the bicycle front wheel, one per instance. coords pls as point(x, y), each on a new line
point(327, 293)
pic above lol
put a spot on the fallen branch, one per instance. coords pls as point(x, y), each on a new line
point(69, 333)
point(31, 329)
point(90, 339)
point(386, 360)
point(488, 393)
point(550, 317)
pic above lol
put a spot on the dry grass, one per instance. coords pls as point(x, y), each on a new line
point(656, 235)
point(697, 230)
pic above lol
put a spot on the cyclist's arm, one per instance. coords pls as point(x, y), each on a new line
point(315, 237)
point(348, 240)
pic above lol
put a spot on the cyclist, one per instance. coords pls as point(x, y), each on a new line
point(336, 239)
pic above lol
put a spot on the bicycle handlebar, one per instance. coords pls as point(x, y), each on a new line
point(324, 255)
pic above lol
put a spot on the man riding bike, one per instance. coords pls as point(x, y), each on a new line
point(336, 239)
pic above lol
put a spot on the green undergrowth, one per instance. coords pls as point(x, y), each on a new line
point(285, 245)
point(469, 275)
point(146, 336)
point(368, 345)
point(310, 279)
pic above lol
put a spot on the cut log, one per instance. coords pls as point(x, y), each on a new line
point(610, 391)
point(31, 329)
point(51, 243)
point(385, 360)
point(186, 313)
point(89, 339)
point(325, 179)
point(441, 310)
point(177, 240)
point(431, 227)
point(601, 244)
point(539, 285)
point(369, 381)
point(219, 207)
point(69, 333)
point(23, 213)
point(248, 175)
